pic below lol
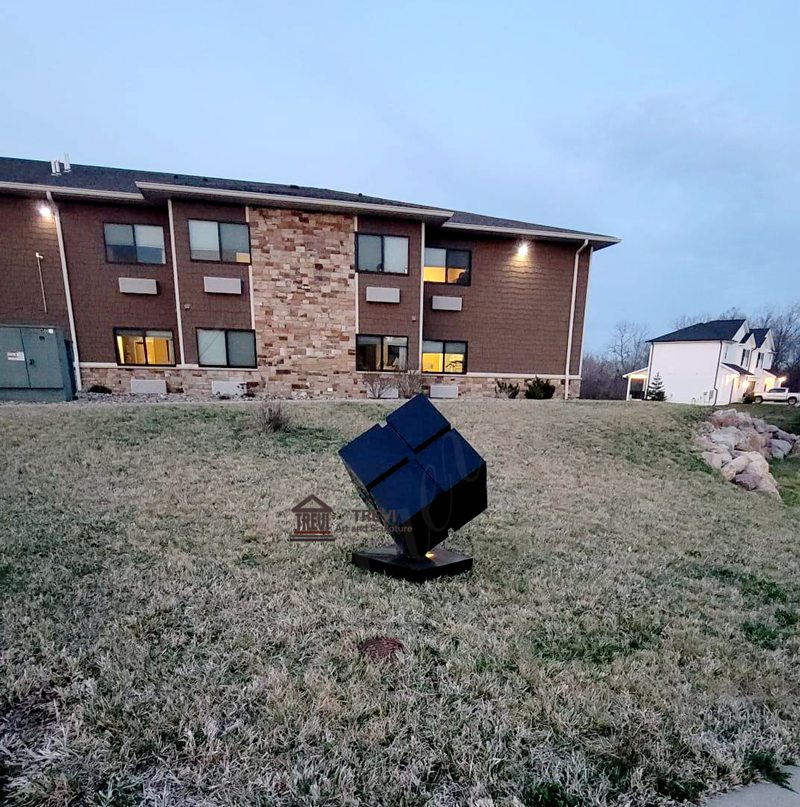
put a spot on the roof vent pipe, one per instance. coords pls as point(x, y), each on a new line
point(55, 168)
point(67, 166)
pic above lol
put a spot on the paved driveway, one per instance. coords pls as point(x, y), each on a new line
point(762, 795)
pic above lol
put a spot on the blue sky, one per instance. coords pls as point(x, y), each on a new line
point(674, 126)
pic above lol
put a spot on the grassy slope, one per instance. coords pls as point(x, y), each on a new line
point(628, 631)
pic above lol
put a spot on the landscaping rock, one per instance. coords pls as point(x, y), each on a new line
point(739, 464)
point(746, 481)
point(714, 459)
point(780, 448)
point(724, 417)
point(727, 436)
point(739, 445)
point(768, 485)
point(789, 438)
point(750, 441)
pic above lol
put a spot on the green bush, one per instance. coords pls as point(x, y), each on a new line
point(748, 398)
point(505, 389)
point(539, 389)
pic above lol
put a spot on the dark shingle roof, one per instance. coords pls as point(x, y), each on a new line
point(714, 331)
point(474, 219)
point(737, 368)
point(759, 334)
point(93, 177)
point(121, 180)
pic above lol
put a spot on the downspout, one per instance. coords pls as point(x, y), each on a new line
point(572, 315)
point(716, 374)
point(67, 294)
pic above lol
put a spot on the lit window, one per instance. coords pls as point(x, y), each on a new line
point(144, 347)
point(382, 253)
point(381, 352)
point(219, 241)
point(226, 348)
point(444, 357)
point(134, 243)
point(447, 266)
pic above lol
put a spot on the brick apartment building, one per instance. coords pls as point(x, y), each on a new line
point(195, 280)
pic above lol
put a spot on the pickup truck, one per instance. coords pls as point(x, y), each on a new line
point(778, 395)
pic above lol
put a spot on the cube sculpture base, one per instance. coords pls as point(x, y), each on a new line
point(391, 561)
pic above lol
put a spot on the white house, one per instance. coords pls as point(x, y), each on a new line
point(709, 363)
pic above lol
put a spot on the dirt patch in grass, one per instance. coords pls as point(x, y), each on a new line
point(628, 635)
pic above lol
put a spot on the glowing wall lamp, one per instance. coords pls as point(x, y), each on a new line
point(522, 249)
point(45, 211)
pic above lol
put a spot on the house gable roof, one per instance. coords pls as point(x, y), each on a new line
point(760, 335)
point(737, 368)
point(716, 330)
point(91, 181)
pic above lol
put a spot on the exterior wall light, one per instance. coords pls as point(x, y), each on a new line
point(522, 249)
point(45, 211)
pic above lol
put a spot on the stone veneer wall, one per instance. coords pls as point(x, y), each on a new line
point(480, 387)
point(305, 302)
point(197, 382)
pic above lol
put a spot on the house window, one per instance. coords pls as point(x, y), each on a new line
point(759, 360)
point(447, 265)
point(745, 358)
point(219, 241)
point(134, 243)
point(144, 347)
point(226, 348)
point(382, 253)
point(444, 357)
point(388, 353)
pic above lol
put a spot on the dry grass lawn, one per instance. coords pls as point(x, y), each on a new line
point(628, 635)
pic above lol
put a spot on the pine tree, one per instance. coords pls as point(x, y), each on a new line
point(655, 389)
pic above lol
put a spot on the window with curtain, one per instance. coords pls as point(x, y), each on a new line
point(443, 265)
point(220, 241)
point(134, 243)
point(444, 357)
point(136, 346)
point(382, 253)
point(220, 347)
point(381, 353)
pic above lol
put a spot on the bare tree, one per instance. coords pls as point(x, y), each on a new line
point(600, 380)
point(785, 326)
point(628, 347)
point(685, 320)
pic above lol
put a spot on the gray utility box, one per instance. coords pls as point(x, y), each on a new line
point(35, 364)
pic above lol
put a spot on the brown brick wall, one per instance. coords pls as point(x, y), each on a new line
point(392, 319)
point(23, 232)
point(98, 304)
point(200, 309)
point(515, 314)
point(305, 306)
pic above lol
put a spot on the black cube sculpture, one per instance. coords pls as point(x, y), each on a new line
point(422, 479)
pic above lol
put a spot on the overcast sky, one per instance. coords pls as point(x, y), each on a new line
point(674, 126)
